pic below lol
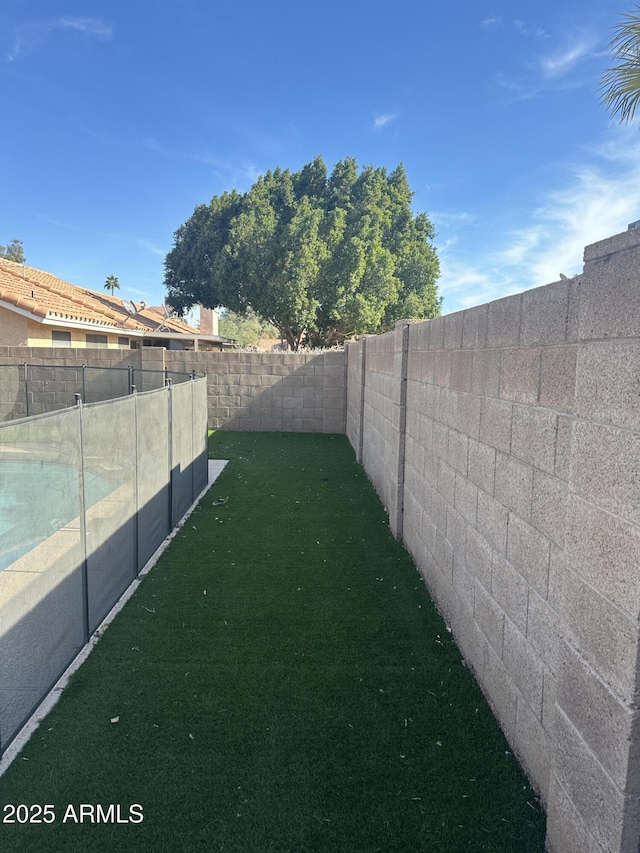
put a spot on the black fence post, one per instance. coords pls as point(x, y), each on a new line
point(83, 524)
point(26, 386)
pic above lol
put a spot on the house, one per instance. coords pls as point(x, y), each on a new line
point(37, 309)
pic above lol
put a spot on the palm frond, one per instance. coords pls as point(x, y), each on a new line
point(621, 83)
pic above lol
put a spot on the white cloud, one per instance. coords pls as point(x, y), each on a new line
point(600, 197)
point(240, 173)
point(28, 37)
point(234, 174)
point(153, 145)
point(520, 247)
point(522, 27)
point(566, 55)
point(540, 73)
point(464, 285)
point(518, 90)
point(596, 204)
point(150, 247)
point(448, 218)
point(563, 61)
point(383, 119)
point(91, 26)
point(527, 30)
point(142, 242)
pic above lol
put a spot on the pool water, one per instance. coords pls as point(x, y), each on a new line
point(36, 500)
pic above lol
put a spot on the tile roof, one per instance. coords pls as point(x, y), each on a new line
point(45, 296)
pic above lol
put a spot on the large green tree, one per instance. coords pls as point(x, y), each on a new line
point(321, 257)
point(13, 252)
point(621, 83)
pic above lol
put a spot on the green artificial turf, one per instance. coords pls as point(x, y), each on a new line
point(282, 683)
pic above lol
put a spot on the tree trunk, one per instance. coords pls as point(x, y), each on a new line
point(286, 333)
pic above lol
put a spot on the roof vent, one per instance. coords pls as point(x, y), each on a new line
point(633, 225)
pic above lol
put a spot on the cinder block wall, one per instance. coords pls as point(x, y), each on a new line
point(298, 392)
point(355, 400)
point(51, 391)
point(380, 427)
point(505, 443)
point(303, 392)
point(66, 356)
point(518, 495)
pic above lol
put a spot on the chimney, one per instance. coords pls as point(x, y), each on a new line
point(208, 321)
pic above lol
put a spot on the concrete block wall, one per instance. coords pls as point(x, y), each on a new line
point(512, 471)
point(297, 392)
point(303, 392)
point(505, 443)
point(376, 408)
point(379, 401)
point(71, 357)
point(50, 391)
point(354, 354)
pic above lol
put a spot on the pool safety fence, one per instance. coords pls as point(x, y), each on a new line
point(87, 495)
point(33, 389)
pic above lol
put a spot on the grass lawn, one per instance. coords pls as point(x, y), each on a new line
point(282, 683)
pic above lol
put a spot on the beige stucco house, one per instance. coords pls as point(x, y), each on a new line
point(39, 309)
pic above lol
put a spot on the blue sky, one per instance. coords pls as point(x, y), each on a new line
point(120, 117)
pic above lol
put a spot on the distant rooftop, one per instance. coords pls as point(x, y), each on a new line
point(45, 296)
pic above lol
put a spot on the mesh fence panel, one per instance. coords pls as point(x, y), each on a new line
point(154, 521)
point(200, 444)
point(51, 388)
point(13, 393)
point(101, 384)
point(181, 450)
point(148, 380)
point(109, 449)
point(42, 602)
point(176, 378)
point(86, 496)
point(31, 389)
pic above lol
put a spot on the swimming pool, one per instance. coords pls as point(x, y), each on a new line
point(37, 499)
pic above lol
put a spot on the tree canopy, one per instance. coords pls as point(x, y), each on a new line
point(621, 83)
point(247, 330)
point(321, 257)
point(13, 252)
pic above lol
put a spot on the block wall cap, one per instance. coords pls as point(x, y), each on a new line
point(402, 323)
point(618, 243)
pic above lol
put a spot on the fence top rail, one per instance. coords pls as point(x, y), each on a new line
point(105, 368)
point(28, 393)
point(67, 412)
